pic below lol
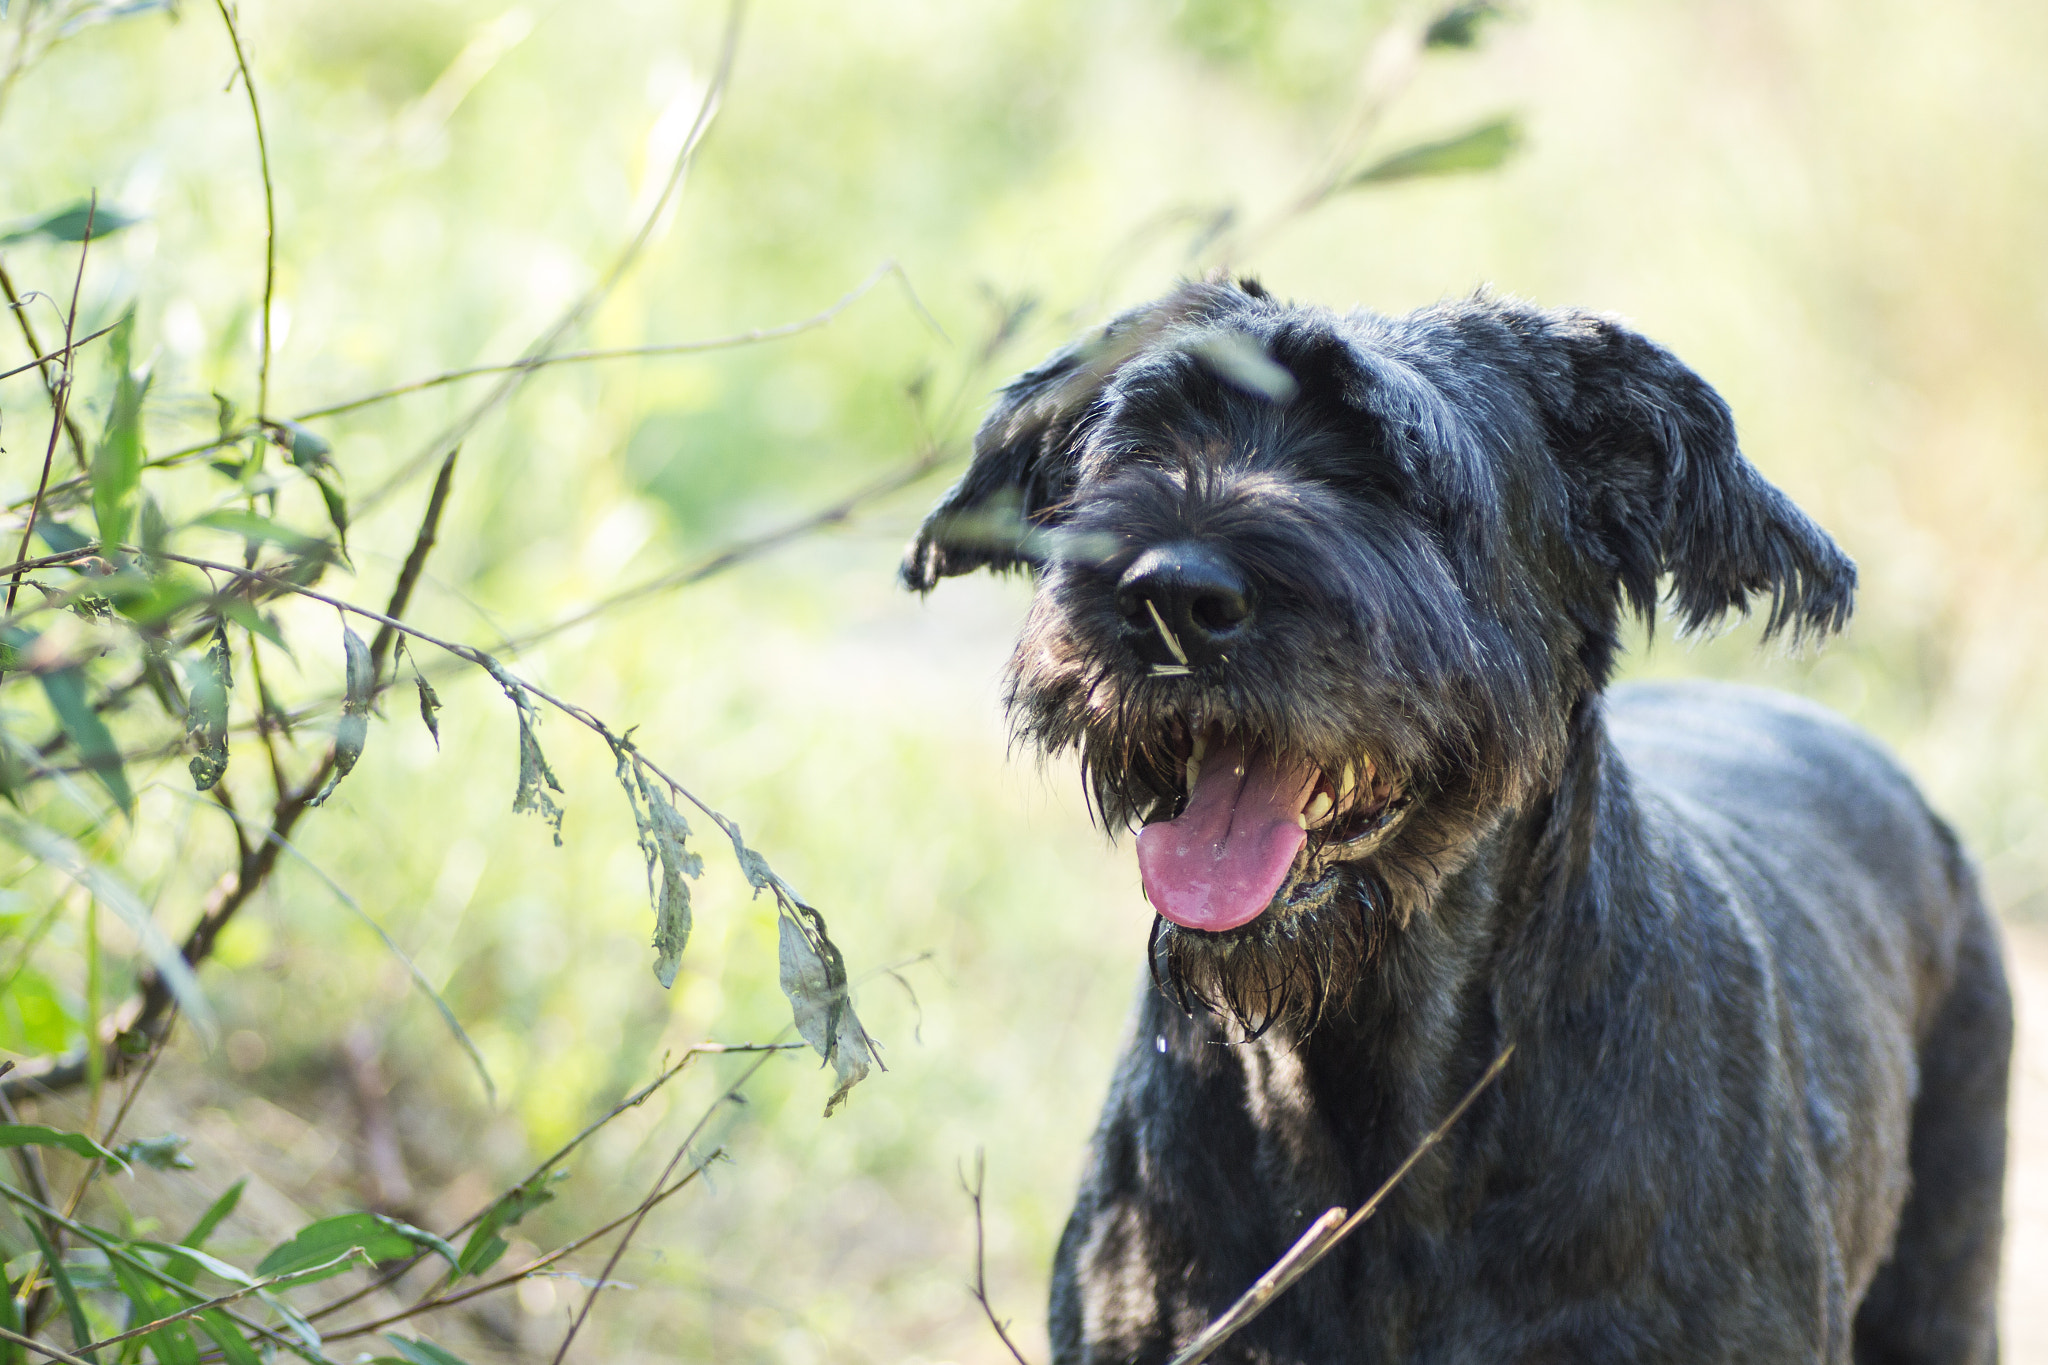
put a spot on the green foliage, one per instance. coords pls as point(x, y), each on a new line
point(71, 224)
point(1481, 148)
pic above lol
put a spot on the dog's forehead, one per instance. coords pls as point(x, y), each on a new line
point(1266, 380)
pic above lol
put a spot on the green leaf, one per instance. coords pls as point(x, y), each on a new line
point(166, 1153)
point(1459, 25)
point(662, 833)
point(117, 460)
point(60, 538)
point(307, 448)
point(328, 1238)
point(430, 703)
point(67, 1293)
point(37, 1135)
point(421, 1238)
point(68, 224)
point(151, 601)
point(11, 1353)
point(208, 685)
point(485, 1246)
point(337, 508)
point(814, 978)
point(352, 731)
point(173, 1342)
point(536, 778)
point(422, 1352)
point(242, 613)
point(262, 530)
point(216, 1213)
point(1476, 149)
point(65, 687)
point(234, 1347)
point(61, 855)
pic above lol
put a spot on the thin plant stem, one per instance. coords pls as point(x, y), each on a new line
point(752, 337)
point(42, 362)
point(227, 17)
point(1324, 1234)
point(9, 1334)
point(580, 311)
point(731, 1096)
point(61, 402)
point(980, 1288)
point(272, 1282)
point(560, 1154)
point(115, 1251)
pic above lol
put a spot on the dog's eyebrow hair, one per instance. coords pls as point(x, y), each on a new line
point(1165, 633)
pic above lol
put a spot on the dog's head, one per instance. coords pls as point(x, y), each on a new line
point(1318, 595)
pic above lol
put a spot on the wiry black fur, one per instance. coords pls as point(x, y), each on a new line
point(1760, 1019)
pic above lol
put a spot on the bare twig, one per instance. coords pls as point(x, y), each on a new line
point(415, 562)
point(92, 1170)
point(739, 551)
point(42, 362)
point(9, 1334)
point(116, 1251)
point(227, 17)
point(272, 1282)
point(581, 310)
point(632, 1101)
point(435, 1302)
point(60, 400)
point(731, 1096)
point(980, 1286)
point(752, 337)
point(1324, 1234)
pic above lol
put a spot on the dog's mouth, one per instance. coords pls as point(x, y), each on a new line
point(1258, 829)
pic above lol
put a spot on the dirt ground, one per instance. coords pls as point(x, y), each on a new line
point(2026, 1247)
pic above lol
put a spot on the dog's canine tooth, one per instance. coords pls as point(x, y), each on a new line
point(1201, 746)
point(1194, 770)
point(1318, 810)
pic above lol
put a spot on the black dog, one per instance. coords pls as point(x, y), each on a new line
point(1327, 604)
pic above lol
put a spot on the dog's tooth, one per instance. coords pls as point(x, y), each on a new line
point(1194, 768)
point(1201, 747)
point(1347, 784)
point(1301, 818)
point(1318, 810)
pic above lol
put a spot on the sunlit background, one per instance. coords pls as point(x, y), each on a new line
point(1836, 212)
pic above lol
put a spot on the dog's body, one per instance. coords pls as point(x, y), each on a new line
point(1365, 577)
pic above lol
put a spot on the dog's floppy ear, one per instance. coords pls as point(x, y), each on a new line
point(1670, 492)
point(1023, 465)
point(1027, 449)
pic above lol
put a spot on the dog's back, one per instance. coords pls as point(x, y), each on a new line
point(1888, 976)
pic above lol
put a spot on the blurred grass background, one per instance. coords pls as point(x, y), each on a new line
point(1835, 212)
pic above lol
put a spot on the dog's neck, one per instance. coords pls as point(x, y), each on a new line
point(1533, 901)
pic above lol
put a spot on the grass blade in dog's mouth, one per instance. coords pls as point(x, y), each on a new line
point(1226, 857)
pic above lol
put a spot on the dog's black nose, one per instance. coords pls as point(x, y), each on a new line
point(1184, 603)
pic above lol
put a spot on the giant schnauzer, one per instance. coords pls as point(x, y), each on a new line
point(1326, 605)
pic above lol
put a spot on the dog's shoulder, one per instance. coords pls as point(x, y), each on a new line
point(1789, 781)
point(1700, 728)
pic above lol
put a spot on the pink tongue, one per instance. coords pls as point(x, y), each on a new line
point(1223, 860)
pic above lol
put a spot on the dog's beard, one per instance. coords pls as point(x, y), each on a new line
point(1289, 966)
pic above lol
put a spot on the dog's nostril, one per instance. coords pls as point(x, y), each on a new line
point(1183, 601)
point(1220, 611)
